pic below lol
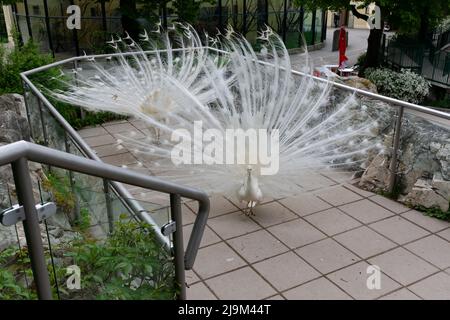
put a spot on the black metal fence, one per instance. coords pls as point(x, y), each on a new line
point(44, 21)
point(431, 58)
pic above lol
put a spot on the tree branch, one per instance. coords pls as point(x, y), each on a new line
point(357, 14)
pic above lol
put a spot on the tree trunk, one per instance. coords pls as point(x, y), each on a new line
point(129, 15)
point(373, 42)
point(373, 49)
point(424, 25)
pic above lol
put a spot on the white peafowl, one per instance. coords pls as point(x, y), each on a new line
point(177, 84)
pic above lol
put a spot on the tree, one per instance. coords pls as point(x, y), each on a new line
point(408, 16)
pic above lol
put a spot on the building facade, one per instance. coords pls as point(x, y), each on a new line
point(44, 21)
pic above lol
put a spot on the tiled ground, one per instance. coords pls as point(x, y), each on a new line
point(317, 245)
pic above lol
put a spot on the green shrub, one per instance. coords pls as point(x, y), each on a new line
point(129, 265)
point(405, 85)
point(20, 59)
point(27, 57)
point(441, 103)
point(362, 59)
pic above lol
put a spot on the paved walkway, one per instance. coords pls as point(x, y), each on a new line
point(357, 44)
point(317, 245)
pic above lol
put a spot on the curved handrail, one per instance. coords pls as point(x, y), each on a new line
point(37, 153)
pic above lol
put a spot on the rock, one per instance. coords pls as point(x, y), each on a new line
point(441, 186)
point(13, 122)
point(424, 194)
point(376, 175)
point(360, 83)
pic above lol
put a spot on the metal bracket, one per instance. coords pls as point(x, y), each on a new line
point(16, 213)
point(169, 228)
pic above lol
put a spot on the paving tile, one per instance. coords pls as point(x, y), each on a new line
point(277, 297)
point(144, 195)
point(119, 127)
point(432, 249)
point(286, 271)
point(304, 204)
point(338, 176)
point(359, 191)
point(216, 259)
point(140, 124)
point(402, 294)
point(389, 204)
point(332, 221)
point(319, 289)
point(232, 225)
point(120, 159)
point(257, 246)
point(191, 277)
point(312, 181)
point(272, 213)
point(242, 284)
point(399, 229)
point(218, 205)
point(131, 135)
point(296, 233)
point(445, 234)
point(109, 150)
point(436, 287)
point(105, 139)
point(92, 132)
point(403, 266)
point(354, 278)
point(338, 195)
point(199, 291)
point(366, 211)
point(209, 237)
point(429, 223)
point(327, 255)
point(364, 242)
point(187, 216)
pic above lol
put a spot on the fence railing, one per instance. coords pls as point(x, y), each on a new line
point(430, 62)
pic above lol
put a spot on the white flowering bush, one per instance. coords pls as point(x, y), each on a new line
point(405, 85)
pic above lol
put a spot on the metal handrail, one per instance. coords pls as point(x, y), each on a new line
point(19, 153)
point(392, 101)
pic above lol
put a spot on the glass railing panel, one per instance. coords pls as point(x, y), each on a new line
point(16, 278)
point(34, 115)
point(423, 170)
point(94, 233)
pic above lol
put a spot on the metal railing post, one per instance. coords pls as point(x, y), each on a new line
point(175, 211)
point(109, 208)
point(31, 227)
point(394, 154)
point(27, 107)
